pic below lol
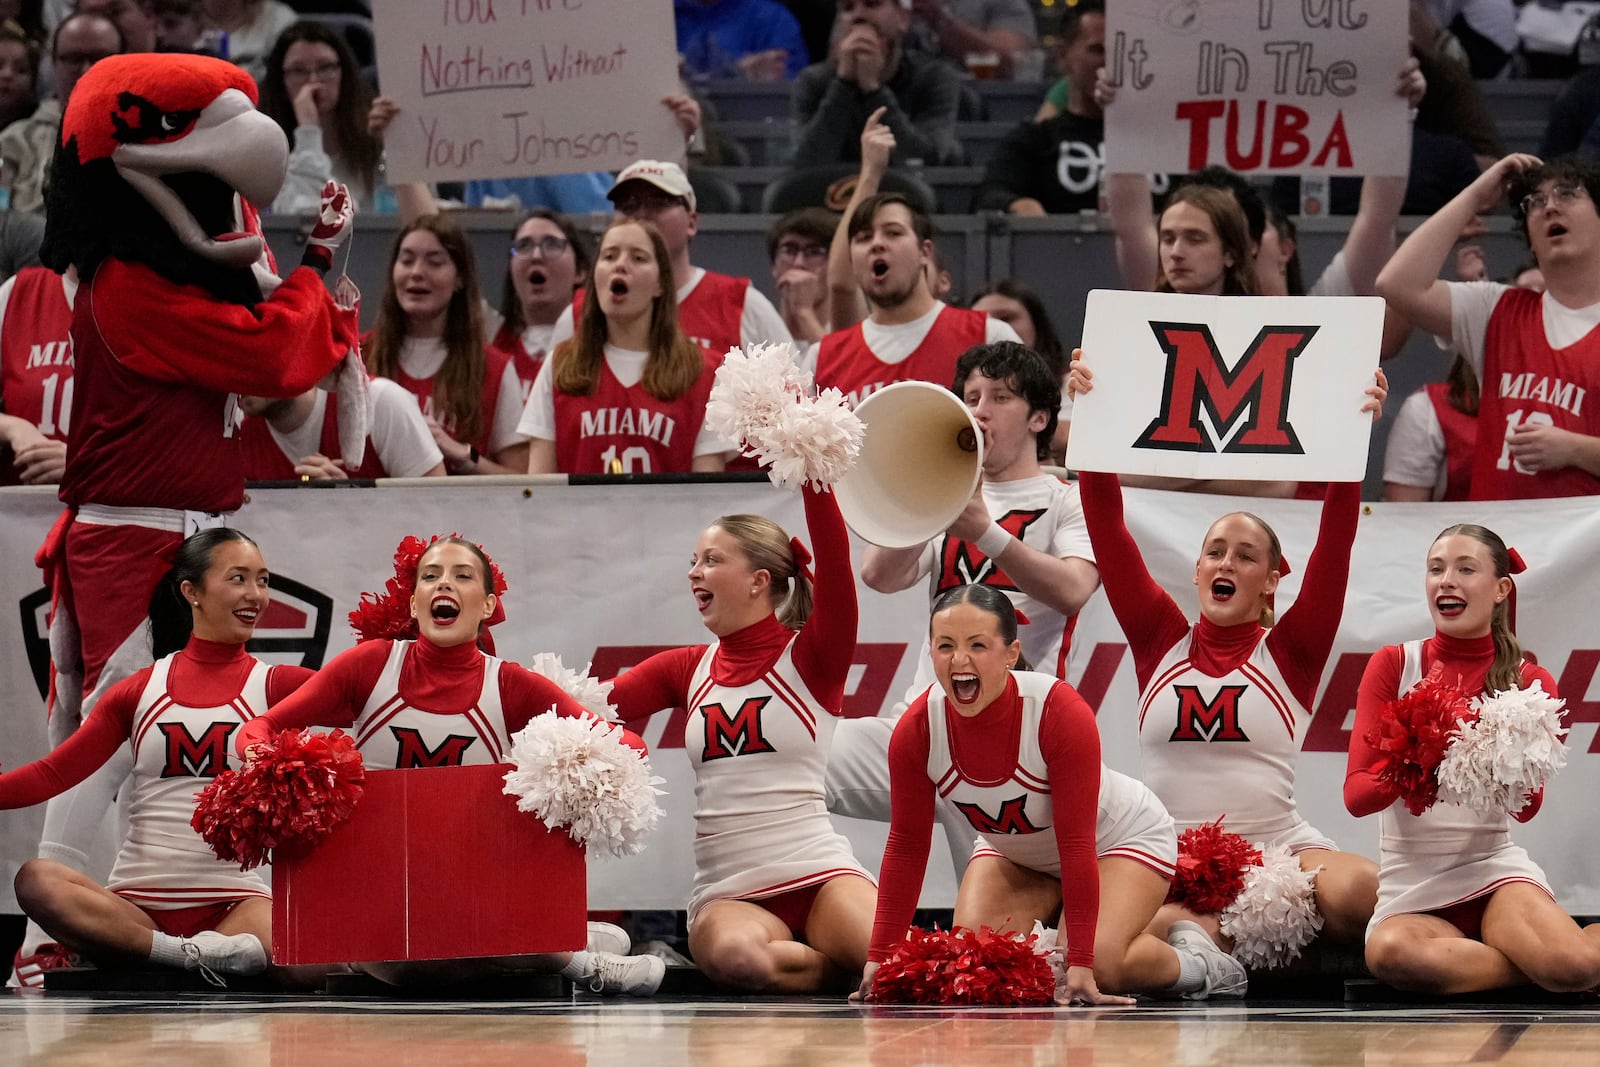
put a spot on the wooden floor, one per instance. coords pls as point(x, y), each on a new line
point(280, 1031)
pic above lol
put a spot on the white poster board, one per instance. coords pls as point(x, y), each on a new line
point(1258, 86)
point(516, 88)
point(1259, 388)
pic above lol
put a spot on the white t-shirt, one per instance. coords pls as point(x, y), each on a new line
point(627, 365)
point(69, 287)
point(1334, 280)
point(399, 435)
point(759, 323)
point(1471, 304)
point(421, 357)
point(1415, 452)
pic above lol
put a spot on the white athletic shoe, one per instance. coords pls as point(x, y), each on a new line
point(1225, 976)
point(608, 937)
point(214, 954)
point(637, 976)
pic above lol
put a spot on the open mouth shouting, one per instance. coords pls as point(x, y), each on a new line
point(702, 599)
point(879, 267)
point(444, 610)
point(1222, 590)
point(965, 687)
point(537, 277)
point(618, 289)
point(1449, 607)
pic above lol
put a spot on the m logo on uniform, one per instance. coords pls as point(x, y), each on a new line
point(188, 756)
point(736, 736)
point(1012, 818)
point(413, 752)
point(1216, 719)
point(1198, 379)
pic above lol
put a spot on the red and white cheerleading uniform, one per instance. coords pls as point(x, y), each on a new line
point(179, 717)
point(762, 707)
point(1223, 711)
point(715, 311)
point(1026, 773)
point(863, 358)
point(1449, 854)
point(620, 425)
point(398, 446)
point(36, 354)
point(411, 704)
point(1539, 363)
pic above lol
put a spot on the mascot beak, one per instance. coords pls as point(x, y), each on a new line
point(234, 144)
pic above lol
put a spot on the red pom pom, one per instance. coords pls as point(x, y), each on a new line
point(965, 967)
point(298, 787)
point(1211, 867)
point(1412, 734)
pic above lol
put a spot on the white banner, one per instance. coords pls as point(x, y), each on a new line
point(1216, 387)
point(598, 573)
point(1258, 86)
point(513, 88)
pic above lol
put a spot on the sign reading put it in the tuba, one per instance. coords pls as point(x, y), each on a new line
point(1257, 388)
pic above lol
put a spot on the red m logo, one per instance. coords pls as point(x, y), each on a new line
point(738, 736)
point(414, 751)
point(962, 564)
point(1013, 817)
point(190, 757)
point(1200, 719)
point(1197, 378)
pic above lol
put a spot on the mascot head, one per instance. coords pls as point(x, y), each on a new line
point(159, 156)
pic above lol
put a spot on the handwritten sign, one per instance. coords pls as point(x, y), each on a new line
point(1259, 86)
point(1257, 388)
point(515, 88)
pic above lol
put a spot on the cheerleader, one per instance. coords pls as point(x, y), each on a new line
point(437, 700)
point(169, 900)
point(1018, 753)
point(779, 903)
point(1225, 702)
point(1460, 908)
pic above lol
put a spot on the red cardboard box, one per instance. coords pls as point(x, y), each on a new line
point(436, 863)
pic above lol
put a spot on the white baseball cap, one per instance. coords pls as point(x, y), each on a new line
point(668, 177)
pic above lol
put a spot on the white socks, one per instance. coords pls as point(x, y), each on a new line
point(164, 948)
point(1191, 973)
point(579, 967)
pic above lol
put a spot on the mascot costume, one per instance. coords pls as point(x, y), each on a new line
point(178, 313)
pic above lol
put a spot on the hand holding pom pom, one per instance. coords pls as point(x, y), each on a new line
point(1211, 868)
point(1509, 751)
point(1412, 734)
point(761, 401)
point(577, 773)
point(297, 787)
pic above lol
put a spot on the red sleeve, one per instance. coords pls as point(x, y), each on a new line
point(107, 728)
point(1303, 639)
point(1380, 682)
point(284, 679)
point(1532, 672)
point(1070, 742)
point(1150, 619)
point(331, 697)
point(827, 642)
point(280, 347)
point(905, 853)
point(660, 682)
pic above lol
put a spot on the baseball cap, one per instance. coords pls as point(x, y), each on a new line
point(668, 177)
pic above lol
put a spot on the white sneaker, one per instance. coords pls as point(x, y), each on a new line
point(608, 937)
point(637, 976)
point(214, 954)
point(1225, 976)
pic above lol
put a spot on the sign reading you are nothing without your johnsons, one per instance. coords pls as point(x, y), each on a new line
point(515, 88)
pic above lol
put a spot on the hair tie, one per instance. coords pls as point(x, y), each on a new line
point(1283, 565)
point(802, 559)
point(1517, 563)
point(1022, 620)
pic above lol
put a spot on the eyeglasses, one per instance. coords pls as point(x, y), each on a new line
point(326, 72)
point(648, 203)
point(549, 247)
point(796, 250)
point(1561, 195)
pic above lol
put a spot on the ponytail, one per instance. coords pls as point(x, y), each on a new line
point(768, 548)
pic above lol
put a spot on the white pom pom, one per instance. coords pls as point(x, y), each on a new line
point(1053, 948)
point(577, 773)
point(1513, 748)
point(594, 695)
point(1275, 915)
point(761, 401)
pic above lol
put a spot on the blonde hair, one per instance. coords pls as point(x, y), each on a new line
point(766, 546)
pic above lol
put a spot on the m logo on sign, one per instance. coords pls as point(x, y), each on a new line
point(1253, 394)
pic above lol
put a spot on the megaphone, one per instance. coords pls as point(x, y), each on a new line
point(921, 458)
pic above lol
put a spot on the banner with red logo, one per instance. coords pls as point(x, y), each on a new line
point(598, 573)
point(1257, 86)
point(1264, 389)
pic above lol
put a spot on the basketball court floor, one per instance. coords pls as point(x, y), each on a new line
point(162, 1029)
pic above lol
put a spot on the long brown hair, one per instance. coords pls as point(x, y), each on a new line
point(359, 148)
point(674, 362)
point(458, 387)
point(1238, 278)
point(1506, 671)
point(767, 547)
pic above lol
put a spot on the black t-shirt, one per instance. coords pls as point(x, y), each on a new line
point(1057, 162)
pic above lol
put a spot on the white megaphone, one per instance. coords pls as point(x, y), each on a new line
point(921, 458)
